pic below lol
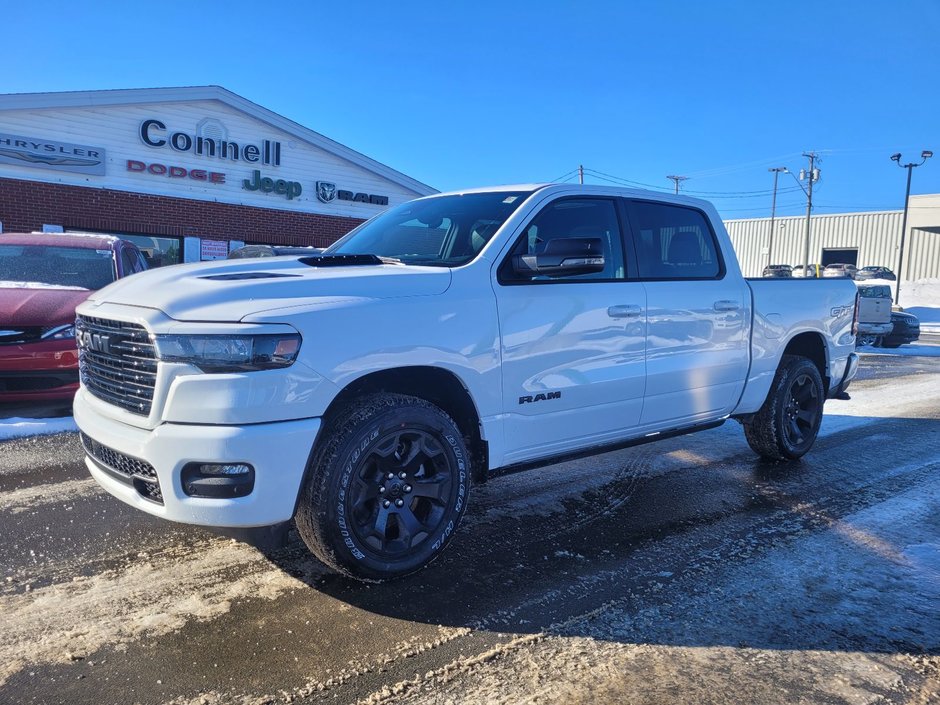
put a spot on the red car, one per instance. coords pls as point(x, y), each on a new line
point(43, 277)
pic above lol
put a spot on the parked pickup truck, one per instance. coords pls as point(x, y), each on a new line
point(361, 390)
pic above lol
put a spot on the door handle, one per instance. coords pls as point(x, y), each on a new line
point(624, 311)
point(727, 305)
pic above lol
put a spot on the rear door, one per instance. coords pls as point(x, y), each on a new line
point(697, 347)
point(572, 348)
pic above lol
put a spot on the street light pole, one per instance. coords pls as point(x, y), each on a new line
point(773, 210)
point(924, 156)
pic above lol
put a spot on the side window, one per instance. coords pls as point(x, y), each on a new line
point(673, 242)
point(128, 262)
point(572, 218)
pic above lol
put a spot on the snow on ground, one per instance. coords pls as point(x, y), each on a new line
point(38, 285)
point(16, 427)
point(922, 298)
point(905, 350)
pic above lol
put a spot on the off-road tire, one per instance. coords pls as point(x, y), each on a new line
point(354, 471)
point(772, 431)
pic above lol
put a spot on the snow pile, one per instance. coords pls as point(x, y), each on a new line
point(922, 298)
point(39, 285)
point(15, 427)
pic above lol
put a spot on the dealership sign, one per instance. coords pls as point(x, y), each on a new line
point(155, 133)
point(289, 189)
point(175, 172)
point(49, 154)
point(327, 191)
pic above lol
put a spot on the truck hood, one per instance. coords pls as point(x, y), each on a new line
point(27, 305)
point(230, 290)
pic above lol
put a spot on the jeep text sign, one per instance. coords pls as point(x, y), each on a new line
point(289, 189)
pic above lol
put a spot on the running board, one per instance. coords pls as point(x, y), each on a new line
point(603, 448)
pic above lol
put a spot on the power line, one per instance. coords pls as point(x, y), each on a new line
point(567, 173)
point(713, 194)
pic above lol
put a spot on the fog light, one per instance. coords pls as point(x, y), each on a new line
point(235, 469)
point(218, 480)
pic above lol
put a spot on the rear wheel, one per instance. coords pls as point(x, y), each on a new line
point(386, 489)
point(787, 424)
point(867, 340)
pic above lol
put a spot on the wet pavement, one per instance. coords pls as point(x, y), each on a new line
point(681, 571)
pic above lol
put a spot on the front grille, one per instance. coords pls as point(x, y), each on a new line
point(137, 472)
point(117, 362)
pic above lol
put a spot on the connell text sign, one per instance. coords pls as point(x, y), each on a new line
point(155, 133)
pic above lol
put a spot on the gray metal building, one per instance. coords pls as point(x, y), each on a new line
point(862, 239)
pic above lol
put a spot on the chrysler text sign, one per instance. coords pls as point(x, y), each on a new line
point(49, 154)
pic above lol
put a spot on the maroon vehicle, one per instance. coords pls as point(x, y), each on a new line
point(43, 277)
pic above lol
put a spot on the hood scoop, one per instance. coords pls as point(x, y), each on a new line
point(247, 275)
point(346, 260)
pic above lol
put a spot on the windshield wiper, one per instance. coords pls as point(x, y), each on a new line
point(347, 260)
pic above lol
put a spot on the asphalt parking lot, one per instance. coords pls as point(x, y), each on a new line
point(684, 571)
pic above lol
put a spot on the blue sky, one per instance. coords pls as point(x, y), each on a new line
point(460, 94)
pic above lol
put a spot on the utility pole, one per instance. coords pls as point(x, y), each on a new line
point(773, 210)
point(677, 179)
point(812, 175)
point(581, 174)
point(924, 156)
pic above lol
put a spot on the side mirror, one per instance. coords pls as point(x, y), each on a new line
point(563, 257)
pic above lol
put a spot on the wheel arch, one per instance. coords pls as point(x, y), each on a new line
point(438, 385)
point(811, 345)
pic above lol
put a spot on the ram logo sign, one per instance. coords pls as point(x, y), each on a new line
point(531, 399)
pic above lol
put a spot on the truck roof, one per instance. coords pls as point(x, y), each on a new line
point(592, 189)
point(90, 241)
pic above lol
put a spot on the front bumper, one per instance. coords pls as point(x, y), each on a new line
point(39, 371)
point(277, 451)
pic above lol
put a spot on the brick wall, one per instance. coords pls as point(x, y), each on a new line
point(26, 205)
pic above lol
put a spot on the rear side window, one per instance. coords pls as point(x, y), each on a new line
point(673, 242)
point(573, 218)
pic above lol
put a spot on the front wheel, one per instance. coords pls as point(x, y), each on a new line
point(386, 487)
point(867, 340)
point(787, 424)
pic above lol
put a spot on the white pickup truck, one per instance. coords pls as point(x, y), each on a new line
point(360, 390)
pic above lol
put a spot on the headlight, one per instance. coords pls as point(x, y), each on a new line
point(66, 332)
point(229, 353)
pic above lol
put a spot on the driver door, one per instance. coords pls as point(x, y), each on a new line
point(573, 347)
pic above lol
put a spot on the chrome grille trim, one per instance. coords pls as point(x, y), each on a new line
point(117, 362)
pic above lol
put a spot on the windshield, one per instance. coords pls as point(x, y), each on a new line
point(54, 266)
point(444, 231)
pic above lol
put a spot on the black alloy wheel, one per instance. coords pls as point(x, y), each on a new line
point(400, 491)
point(386, 487)
point(786, 425)
point(802, 411)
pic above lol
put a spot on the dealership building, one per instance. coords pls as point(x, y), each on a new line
point(863, 239)
point(186, 173)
